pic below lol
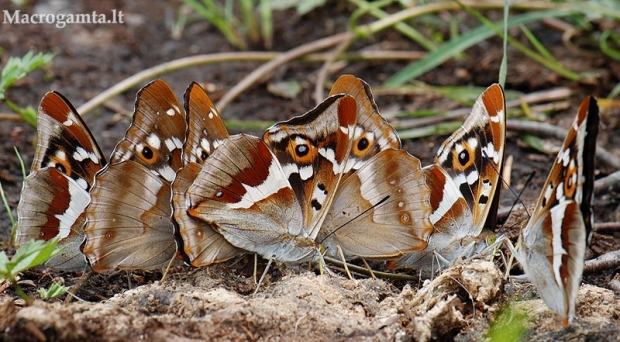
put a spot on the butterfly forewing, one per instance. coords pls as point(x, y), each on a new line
point(65, 142)
point(155, 137)
point(472, 157)
point(372, 133)
point(553, 243)
point(206, 130)
point(313, 150)
point(205, 127)
point(463, 185)
point(244, 190)
point(55, 193)
point(128, 221)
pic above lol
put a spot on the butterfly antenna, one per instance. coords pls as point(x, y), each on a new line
point(356, 217)
point(518, 196)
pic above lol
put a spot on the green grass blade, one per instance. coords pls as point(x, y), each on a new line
point(614, 92)
point(453, 47)
point(615, 54)
point(536, 43)
point(551, 64)
point(8, 211)
point(251, 26)
point(266, 19)
point(406, 30)
point(21, 161)
point(503, 68)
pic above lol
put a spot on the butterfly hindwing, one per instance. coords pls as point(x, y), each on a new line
point(381, 210)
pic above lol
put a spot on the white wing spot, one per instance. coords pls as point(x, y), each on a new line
point(78, 201)
point(497, 117)
point(172, 111)
point(82, 183)
point(473, 143)
point(174, 143)
point(450, 196)
point(306, 172)
point(330, 155)
point(81, 154)
point(154, 141)
point(167, 172)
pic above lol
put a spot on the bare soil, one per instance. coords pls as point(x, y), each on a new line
point(217, 303)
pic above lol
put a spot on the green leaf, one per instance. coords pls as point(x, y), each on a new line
point(4, 262)
point(8, 210)
point(31, 254)
point(16, 68)
point(535, 142)
point(55, 290)
point(509, 325)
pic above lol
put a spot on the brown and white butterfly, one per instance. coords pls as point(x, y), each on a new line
point(553, 244)
point(380, 209)
point(197, 239)
point(128, 221)
point(271, 200)
point(275, 197)
point(56, 192)
point(463, 184)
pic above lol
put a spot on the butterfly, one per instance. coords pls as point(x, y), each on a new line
point(128, 221)
point(56, 191)
point(380, 209)
point(553, 243)
point(277, 209)
point(463, 184)
point(268, 195)
point(198, 240)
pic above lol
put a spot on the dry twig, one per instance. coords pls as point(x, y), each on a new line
point(546, 130)
point(603, 262)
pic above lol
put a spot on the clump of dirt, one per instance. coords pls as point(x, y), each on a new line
point(458, 304)
point(296, 307)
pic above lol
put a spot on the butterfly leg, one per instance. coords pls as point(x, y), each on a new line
point(262, 277)
point(344, 262)
point(372, 274)
point(77, 286)
point(163, 277)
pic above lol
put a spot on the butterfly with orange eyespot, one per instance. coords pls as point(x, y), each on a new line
point(129, 218)
point(56, 192)
point(553, 243)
